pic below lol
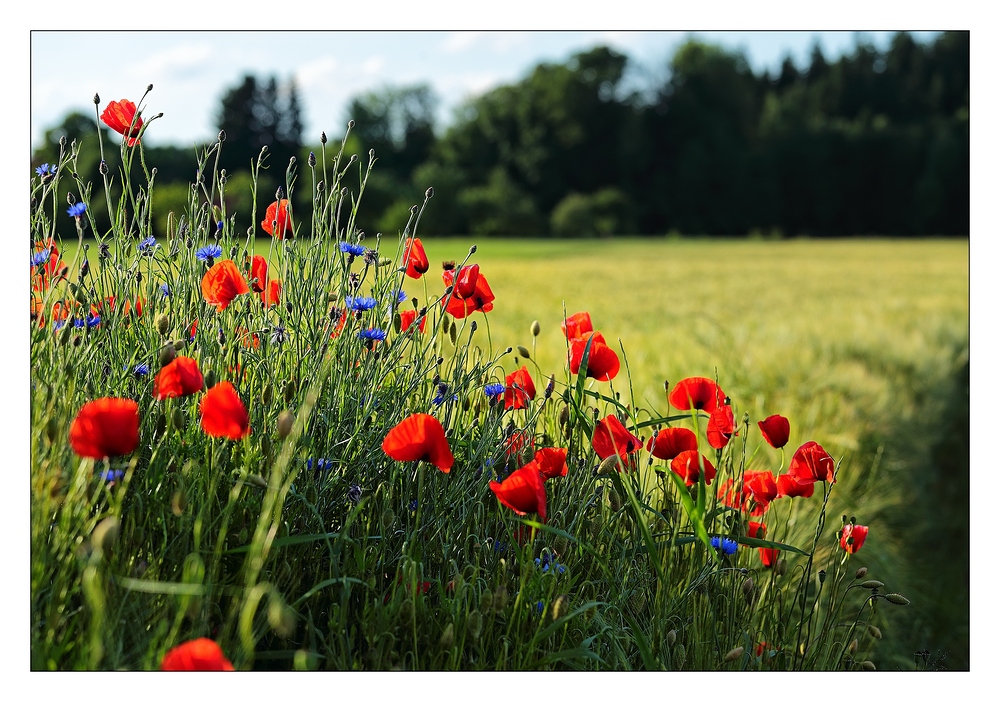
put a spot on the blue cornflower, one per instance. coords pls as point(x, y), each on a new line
point(499, 547)
point(353, 249)
point(90, 322)
point(112, 475)
point(40, 257)
point(165, 289)
point(45, 170)
point(147, 245)
point(413, 506)
point(400, 296)
point(207, 252)
point(354, 494)
point(141, 369)
point(321, 464)
point(77, 209)
point(439, 399)
point(727, 546)
point(494, 390)
point(359, 304)
point(540, 606)
point(372, 334)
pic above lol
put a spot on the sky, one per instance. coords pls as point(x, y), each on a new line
point(190, 71)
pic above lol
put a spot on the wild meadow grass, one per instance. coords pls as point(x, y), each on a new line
point(303, 544)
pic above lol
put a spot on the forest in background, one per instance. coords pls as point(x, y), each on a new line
point(870, 143)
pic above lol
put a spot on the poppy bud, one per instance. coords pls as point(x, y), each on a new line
point(161, 425)
point(162, 324)
point(509, 348)
point(474, 624)
point(178, 344)
point(523, 351)
point(289, 390)
point(874, 631)
point(733, 654)
point(210, 379)
point(149, 87)
point(559, 606)
point(897, 599)
point(781, 567)
point(448, 637)
point(867, 665)
point(671, 637)
point(97, 101)
point(222, 137)
point(429, 193)
point(536, 328)
point(285, 421)
point(445, 323)
point(860, 573)
point(103, 167)
point(167, 354)
point(388, 519)
point(453, 334)
point(177, 419)
point(500, 599)
point(563, 415)
point(267, 395)
point(414, 209)
point(873, 584)
point(486, 601)
point(853, 648)
point(608, 465)
point(822, 576)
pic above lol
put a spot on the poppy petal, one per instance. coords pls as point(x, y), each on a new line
point(419, 437)
point(223, 414)
point(108, 426)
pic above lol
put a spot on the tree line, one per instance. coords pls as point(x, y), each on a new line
point(872, 143)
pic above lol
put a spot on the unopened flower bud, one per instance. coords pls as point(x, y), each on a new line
point(874, 631)
point(486, 601)
point(500, 598)
point(311, 160)
point(873, 584)
point(860, 573)
point(867, 665)
point(167, 354)
point(853, 648)
point(97, 99)
point(474, 624)
point(671, 637)
point(733, 654)
point(448, 637)
point(285, 421)
point(162, 324)
point(429, 193)
point(897, 599)
point(177, 418)
point(210, 379)
point(523, 351)
point(536, 328)
point(289, 390)
point(350, 124)
point(322, 137)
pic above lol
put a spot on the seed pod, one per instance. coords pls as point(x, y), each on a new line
point(897, 599)
point(733, 654)
point(285, 421)
point(873, 584)
point(523, 351)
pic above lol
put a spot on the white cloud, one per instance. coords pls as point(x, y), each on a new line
point(173, 63)
point(373, 66)
point(316, 74)
point(460, 41)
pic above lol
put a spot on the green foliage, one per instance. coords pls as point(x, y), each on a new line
point(602, 214)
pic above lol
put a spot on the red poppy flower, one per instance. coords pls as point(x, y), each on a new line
point(341, 321)
point(465, 285)
point(763, 646)
point(192, 329)
point(517, 442)
point(611, 437)
point(755, 530)
point(480, 300)
point(768, 556)
point(423, 588)
point(419, 437)
point(761, 486)
point(121, 117)
point(520, 389)
point(577, 325)
point(223, 414)
point(258, 274)
point(222, 283)
point(59, 313)
point(671, 441)
point(775, 430)
point(690, 464)
point(602, 362)
point(523, 491)
point(788, 486)
point(852, 537)
point(105, 427)
point(551, 462)
point(407, 317)
point(414, 258)
point(178, 378)
point(697, 393)
point(721, 426)
point(198, 654)
point(811, 463)
point(277, 212)
point(49, 272)
point(272, 295)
